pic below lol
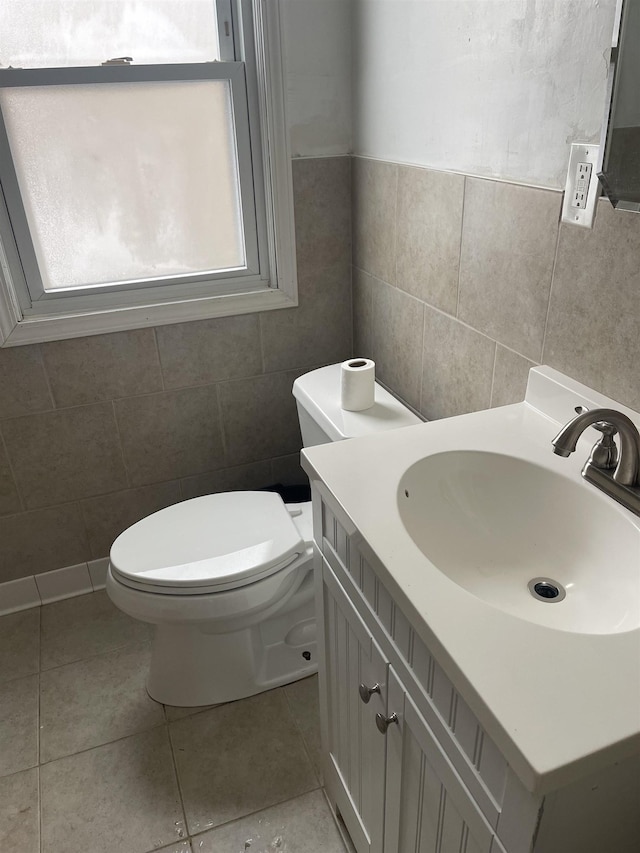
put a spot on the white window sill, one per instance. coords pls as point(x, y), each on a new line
point(18, 330)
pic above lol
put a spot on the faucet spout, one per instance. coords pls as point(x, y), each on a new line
point(628, 467)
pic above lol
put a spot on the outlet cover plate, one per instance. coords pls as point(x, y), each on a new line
point(584, 214)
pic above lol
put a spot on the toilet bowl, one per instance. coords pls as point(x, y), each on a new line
point(227, 579)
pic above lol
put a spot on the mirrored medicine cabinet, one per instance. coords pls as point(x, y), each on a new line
point(619, 167)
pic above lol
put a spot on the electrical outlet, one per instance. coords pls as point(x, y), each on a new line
point(582, 188)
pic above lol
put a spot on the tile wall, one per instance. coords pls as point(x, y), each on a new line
point(461, 285)
point(98, 432)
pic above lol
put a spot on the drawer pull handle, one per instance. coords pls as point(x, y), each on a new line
point(383, 722)
point(367, 692)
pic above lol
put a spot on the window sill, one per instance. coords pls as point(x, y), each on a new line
point(16, 330)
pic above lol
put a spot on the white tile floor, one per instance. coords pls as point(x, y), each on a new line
point(88, 762)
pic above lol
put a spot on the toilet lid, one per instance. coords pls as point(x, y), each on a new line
point(211, 541)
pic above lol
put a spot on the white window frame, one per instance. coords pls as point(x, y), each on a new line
point(270, 282)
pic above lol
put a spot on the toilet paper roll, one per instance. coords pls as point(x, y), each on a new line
point(357, 384)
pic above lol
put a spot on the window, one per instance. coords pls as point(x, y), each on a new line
point(143, 162)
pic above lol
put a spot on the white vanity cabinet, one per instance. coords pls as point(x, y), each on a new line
point(393, 785)
point(433, 781)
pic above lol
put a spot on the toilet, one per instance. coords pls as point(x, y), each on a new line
point(227, 579)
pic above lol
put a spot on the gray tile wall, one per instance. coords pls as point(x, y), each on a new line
point(97, 432)
point(460, 285)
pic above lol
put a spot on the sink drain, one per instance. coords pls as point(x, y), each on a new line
point(547, 590)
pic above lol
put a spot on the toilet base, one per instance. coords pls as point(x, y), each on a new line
point(191, 668)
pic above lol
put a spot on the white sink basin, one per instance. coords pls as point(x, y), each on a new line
point(492, 523)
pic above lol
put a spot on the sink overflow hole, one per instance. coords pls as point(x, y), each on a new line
point(547, 590)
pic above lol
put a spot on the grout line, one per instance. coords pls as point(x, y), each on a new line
point(114, 492)
point(177, 778)
point(87, 541)
point(553, 275)
point(353, 312)
point(395, 226)
point(493, 372)
point(177, 845)
point(157, 345)
point(196, 710)
point(196, 835)
point(62, 409)
point(101, 745)
point(38, 719)
point(99, 654)
point(3, 445)
point(370, 288)
point(422, 364)
point(177, 480)
point(204, 384)
point(5, 683)
point(464, 204)
point(300, 732)
point(39, 634)
point(120, 444)
point(261, 344)
point(47, 379)
point(223, 432)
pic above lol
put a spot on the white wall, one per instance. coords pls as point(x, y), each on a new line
point(488, 87)
point(318, 67)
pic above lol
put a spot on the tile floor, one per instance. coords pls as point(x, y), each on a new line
point(89, 763)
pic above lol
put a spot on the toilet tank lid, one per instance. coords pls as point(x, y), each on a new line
point(319, 393)
point(208, 541)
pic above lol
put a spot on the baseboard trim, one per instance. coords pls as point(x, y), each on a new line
point(47, 587)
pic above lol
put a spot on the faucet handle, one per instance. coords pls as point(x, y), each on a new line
point(604, 453)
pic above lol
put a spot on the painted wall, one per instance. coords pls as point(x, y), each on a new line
point(318, 65)
point(497, 88)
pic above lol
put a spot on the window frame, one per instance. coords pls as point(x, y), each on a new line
point(270, 280)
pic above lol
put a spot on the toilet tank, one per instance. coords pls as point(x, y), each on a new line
point(323, 420)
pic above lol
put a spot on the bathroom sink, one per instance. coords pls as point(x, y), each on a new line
point(498, 525)
point(451, 520)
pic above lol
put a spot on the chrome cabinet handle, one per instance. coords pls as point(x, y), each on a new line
point(383, 722)
point(367, 692)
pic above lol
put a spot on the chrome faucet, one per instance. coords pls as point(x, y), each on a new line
point(617, 477)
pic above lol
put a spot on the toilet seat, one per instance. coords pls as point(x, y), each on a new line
point(207, 544)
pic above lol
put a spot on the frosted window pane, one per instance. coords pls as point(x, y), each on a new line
point(127, 181)
point(41, 33)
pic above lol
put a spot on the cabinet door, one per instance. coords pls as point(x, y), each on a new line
point(428, 809)
point(355, 764)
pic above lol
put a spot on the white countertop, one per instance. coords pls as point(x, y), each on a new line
point(559, 704)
